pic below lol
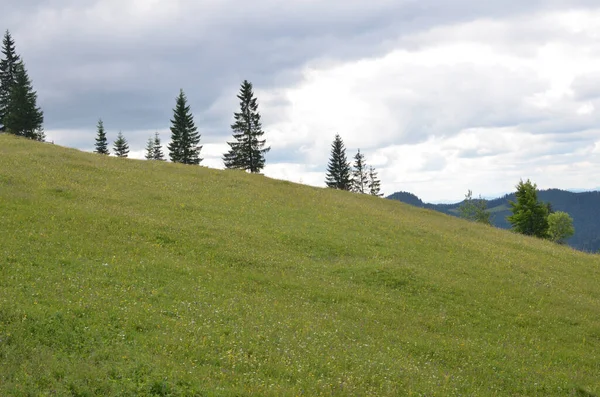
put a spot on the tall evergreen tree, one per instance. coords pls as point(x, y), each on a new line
point(529, 216)
point(248, 151)
point(185, 138)
point(121, 147)
point(8, 67)
point(374, 184)
point(359, 174)
point(338, 168)
point(22, 116)
point(101, 141)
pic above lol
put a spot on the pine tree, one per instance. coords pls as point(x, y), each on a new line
point(374, 184)
point(121, 147)
point(157, 152)
point(529, 216)
point(359, 174)
point(338, 169)
point(101, 141)
point(248, 151)
point(154, 148)
point(184, 134)
point(22, 116)
point(150, 149)
point(8, 66)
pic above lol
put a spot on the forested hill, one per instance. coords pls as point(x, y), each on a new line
point(584, 207)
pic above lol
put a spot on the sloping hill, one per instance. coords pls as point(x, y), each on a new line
point(124, 277)
point(584, 208)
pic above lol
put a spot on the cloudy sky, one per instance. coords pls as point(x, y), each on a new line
point(441, 96)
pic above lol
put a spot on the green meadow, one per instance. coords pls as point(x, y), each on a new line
point(122, 277)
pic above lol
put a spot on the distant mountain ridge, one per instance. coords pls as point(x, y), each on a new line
point(584, 207)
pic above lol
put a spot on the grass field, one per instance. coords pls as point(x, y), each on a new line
point(126, 277)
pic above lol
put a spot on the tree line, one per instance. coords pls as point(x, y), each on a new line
point(530, 216)
point(19, 113)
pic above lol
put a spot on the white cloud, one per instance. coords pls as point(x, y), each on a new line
point(468, 106)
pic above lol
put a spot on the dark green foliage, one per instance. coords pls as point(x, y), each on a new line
point(150, 149)
point(338, 168)
point(22, 116)
point(560, 227)
point(121, 147)
point(154, 148)
point(374, 184)
point(101, 140)
point(529, 216)
point(8, 66)
point(475, 210)
point(248, 151)
point(360, 177)
point(157, 151)
point(185, 137)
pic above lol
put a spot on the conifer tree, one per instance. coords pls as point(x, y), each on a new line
point(101, 141)
point(150, 149)
point(157, 151)
point(121, 147)
point(374, 184)
point(154, 148)
point(338, 168)
point(359, 174)
point(185, 138)
point(8, 66)
point(529, 216)
point(248, 151)
point(22, 116)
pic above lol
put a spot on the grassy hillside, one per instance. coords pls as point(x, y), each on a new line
point(125, 277)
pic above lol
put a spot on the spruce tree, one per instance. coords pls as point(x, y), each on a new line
point(150, 149)
point(121, 147)
point(529, 216)
point(338, 168)
point(8, 66)
point(101, 141)
point(154, 148)
point(157, 152)
point(248, 151)
point(185, 138)
point(22, 116)
point(359, 173)
point(374, 184)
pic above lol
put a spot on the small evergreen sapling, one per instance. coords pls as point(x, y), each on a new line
point(374, 184)
point(154, 148)
point(121, 147)
point(360, 176)
point(101, 140)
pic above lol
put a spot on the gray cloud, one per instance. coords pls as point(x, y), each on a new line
point(125, 61)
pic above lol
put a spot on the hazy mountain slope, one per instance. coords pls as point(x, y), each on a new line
point(584, 207)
